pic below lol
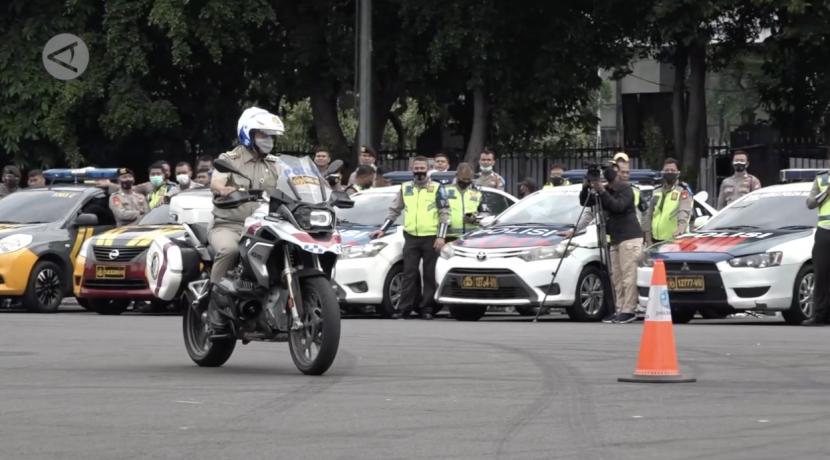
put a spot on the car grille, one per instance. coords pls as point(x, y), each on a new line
point(115, 284)
point(714, 293)
point(102, 253)
point(510, 286)
point(472, 253)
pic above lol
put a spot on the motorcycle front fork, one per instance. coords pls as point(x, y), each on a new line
point(288, 275)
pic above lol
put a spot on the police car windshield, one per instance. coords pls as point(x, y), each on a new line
point(369, 209)
point(37, 206)
point(561, 208)
point(158, 216)
point(766, 211)
point(301, 180)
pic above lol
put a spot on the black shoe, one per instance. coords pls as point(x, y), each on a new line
point(610, 318)
point(625, 318)
point(427, 316)
point(813, 322)
point(219, 323)
point(397, 316)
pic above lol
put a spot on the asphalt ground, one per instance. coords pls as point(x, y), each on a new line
point(76, 385)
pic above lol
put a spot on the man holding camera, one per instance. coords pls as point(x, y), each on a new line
point(625, 234)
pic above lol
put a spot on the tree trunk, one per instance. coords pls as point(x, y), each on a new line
point(385, 94)
point(326, 122)
point(400, 130)
point(678, 106)
point(479, 130)
point(696, 121)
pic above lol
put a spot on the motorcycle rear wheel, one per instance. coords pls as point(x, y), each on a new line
point(202, 350)
point(314, 346)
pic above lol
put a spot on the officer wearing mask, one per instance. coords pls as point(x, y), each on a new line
point(184, 177)
point(364, 178)
point(466, 202)
point(426, 220)
point(487, 176)
point(11, 180)
point(555, 178)
point(670, 211)
point(821, 250)
point(257, 130)
point(126, 205)
point(738, 184)
point(161, 190)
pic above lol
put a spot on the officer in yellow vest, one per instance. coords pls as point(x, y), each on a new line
point(670, 211)
point(555, 178)
point(466, 202)
point(426, 222)
point(821, 250)
point(364, 178)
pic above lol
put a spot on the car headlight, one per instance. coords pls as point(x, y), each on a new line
point(767, 259)
point(84, 252)
point(548, 252)
point(646, 260)
point(14, 243)
point(447, 251)
point(364, 250)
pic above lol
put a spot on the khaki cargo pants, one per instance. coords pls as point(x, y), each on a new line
point(624, 259)
point(224, 239)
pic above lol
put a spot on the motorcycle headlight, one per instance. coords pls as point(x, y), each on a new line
point(646, 260)
point(14, 243)
point(767, 259)
point(364, 250)
point(447, 251)
point(548, 252)
point(314, 218)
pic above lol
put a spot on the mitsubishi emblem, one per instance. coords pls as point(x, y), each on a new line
point(684, 267)
point(481, 256)
point(114, 254)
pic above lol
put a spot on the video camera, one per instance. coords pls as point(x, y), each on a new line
point(594, 172)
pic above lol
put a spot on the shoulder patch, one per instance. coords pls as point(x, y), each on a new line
point(684, 194)
point(115, 199)
point(232, 155)
point(271, 158)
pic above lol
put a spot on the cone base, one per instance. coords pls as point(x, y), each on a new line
point(656, 379)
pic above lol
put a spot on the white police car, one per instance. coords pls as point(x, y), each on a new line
point(510, 262)
point(370, 272)
point(754, 255)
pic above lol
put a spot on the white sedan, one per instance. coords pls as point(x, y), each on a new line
point(754, 255)
point(370, 272)
point(511, 262)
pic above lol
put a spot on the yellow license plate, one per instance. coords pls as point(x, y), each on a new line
point(480, 282)
point(692, 283)
point(106, 272)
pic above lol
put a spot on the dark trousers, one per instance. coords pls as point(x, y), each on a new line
point(821, 270)
point(415, 249)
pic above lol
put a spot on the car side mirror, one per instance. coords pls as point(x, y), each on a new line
point(702, 196)
point(341, 200)
point(487, 221)
point(701, 221)
point(86, 220)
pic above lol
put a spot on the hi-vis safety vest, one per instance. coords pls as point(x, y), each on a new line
point(420, 208)
point(549, 185)
point(462, 202)
point(157, 197)
point(823, 182)
point(664, 216)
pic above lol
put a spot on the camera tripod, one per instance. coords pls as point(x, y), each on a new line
point(594, 203)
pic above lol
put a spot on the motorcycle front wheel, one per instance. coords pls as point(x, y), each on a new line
point(314, 345)
point(202, 350)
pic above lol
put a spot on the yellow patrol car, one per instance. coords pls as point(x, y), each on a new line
point(41, 232)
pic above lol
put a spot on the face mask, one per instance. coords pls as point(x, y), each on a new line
point(670, 177)
point(156, 181)
point(265, 144)
point(126, 184)
point(464, 183)
point(610, 174)
point(183, 179)
point(557, 181)
point(485, 169)
point(739, 167)
point(420, 175)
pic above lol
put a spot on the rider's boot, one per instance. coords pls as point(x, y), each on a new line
point(220, 324)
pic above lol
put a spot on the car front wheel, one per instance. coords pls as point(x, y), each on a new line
point(44, 293)
point(802, 304)
point(589, 304)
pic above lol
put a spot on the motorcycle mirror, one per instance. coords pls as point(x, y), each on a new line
point(224, 166)
point(341, 200)
point(335, 166)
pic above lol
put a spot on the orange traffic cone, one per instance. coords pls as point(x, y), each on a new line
point(658, 360)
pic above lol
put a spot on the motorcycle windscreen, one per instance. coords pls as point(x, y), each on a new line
point(301, 180)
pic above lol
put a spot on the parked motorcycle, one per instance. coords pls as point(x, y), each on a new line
point(281, 289)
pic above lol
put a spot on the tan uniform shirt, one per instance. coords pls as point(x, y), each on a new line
point(263, 174)
point(128, 208)
point(736, 186)
point(4, 191)
point(492, 180)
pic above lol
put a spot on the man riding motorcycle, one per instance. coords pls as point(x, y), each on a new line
point(257, 130)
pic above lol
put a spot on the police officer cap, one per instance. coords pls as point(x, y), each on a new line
point(122, 171)
point(621, 156)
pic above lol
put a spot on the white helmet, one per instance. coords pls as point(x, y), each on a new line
point(258, 119)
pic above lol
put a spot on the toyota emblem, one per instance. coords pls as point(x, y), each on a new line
point(114, 254)
point(481, 255)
